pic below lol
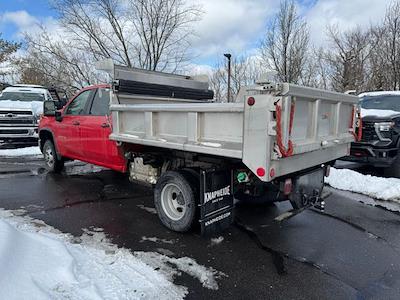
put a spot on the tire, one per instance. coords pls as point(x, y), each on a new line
point(175, 199)
point(53, 164)
point(394, 169)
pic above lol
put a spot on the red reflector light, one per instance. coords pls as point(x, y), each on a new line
point(261, 172)
point(272, 173)
point(251, 101)
point(287, 187)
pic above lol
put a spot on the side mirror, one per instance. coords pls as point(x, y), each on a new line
point(49, 108)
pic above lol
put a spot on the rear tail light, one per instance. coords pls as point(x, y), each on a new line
point(251, 101)
point(287, 187)
point(261, 172)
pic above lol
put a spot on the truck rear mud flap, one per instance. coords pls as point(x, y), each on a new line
point(216, 201)
point(307, 189)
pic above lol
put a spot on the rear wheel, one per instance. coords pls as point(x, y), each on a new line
point(175, 199)
point(53, 164)
point(394, 169)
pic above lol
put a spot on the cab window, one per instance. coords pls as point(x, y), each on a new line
point(78, 105)
point(101, 102)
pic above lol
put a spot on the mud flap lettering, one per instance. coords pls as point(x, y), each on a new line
point(216, 201)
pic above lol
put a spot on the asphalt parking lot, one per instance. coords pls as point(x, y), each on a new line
point(350, 250)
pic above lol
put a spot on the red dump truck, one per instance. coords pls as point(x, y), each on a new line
point(275, 141)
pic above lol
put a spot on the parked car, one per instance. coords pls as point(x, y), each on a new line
point(20, 108)
point(380, 143)
point(276, 140)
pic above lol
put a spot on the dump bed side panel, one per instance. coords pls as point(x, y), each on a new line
point(209, 128)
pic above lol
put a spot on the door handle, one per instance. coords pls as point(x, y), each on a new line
point(105, 125)
point(76, 123)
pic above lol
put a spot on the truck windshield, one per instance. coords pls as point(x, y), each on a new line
point(19, 96)
point(389, 102)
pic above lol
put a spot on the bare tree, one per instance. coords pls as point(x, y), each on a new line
point(389, 45)
point(7, 50)
point(348, 58)
point(151, 34)
point(316, 69)
point(285, 45)
point(164, 28)
point(244, 71)
point(56, 62)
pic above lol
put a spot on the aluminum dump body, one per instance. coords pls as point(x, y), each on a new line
point(318, 123)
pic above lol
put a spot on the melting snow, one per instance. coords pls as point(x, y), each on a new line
point(35, 106)
point(217, 240)
point(378, 112)
point(211, 144)
point(27, 151)
point(170, 266)
point(40, 262)
point(74, 168)
point(156, 240)
point(375, 187)
point(151, 210)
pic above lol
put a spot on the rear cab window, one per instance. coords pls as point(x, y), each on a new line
point(101, 103)
point(79, 104)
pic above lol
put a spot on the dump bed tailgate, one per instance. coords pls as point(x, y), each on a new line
point(317, 123)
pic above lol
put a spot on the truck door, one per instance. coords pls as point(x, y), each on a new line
point(68, 131)
point(95, 131)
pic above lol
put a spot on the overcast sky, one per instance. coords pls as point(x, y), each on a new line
point(234, 26)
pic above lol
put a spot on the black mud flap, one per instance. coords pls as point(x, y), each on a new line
point(308, 189)
point(216, 201)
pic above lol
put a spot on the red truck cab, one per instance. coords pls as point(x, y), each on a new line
point(80, 130)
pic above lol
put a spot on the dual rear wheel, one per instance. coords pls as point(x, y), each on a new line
point(176, 199)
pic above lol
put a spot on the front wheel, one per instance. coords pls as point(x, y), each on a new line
point(394, 169)
point(53, 164)
point(175, 199)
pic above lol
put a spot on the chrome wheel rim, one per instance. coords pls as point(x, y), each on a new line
point(173, 202)
point(49, 156)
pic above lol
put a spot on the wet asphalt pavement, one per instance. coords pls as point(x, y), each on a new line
point(349, 251)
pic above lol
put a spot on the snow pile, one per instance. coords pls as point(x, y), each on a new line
point(28, 151)
point(39, 262)
point(35, 106)
point(378, 112)
point(375, 187)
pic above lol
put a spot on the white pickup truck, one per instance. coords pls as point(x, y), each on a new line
point(20, 108)
point(276, 141)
